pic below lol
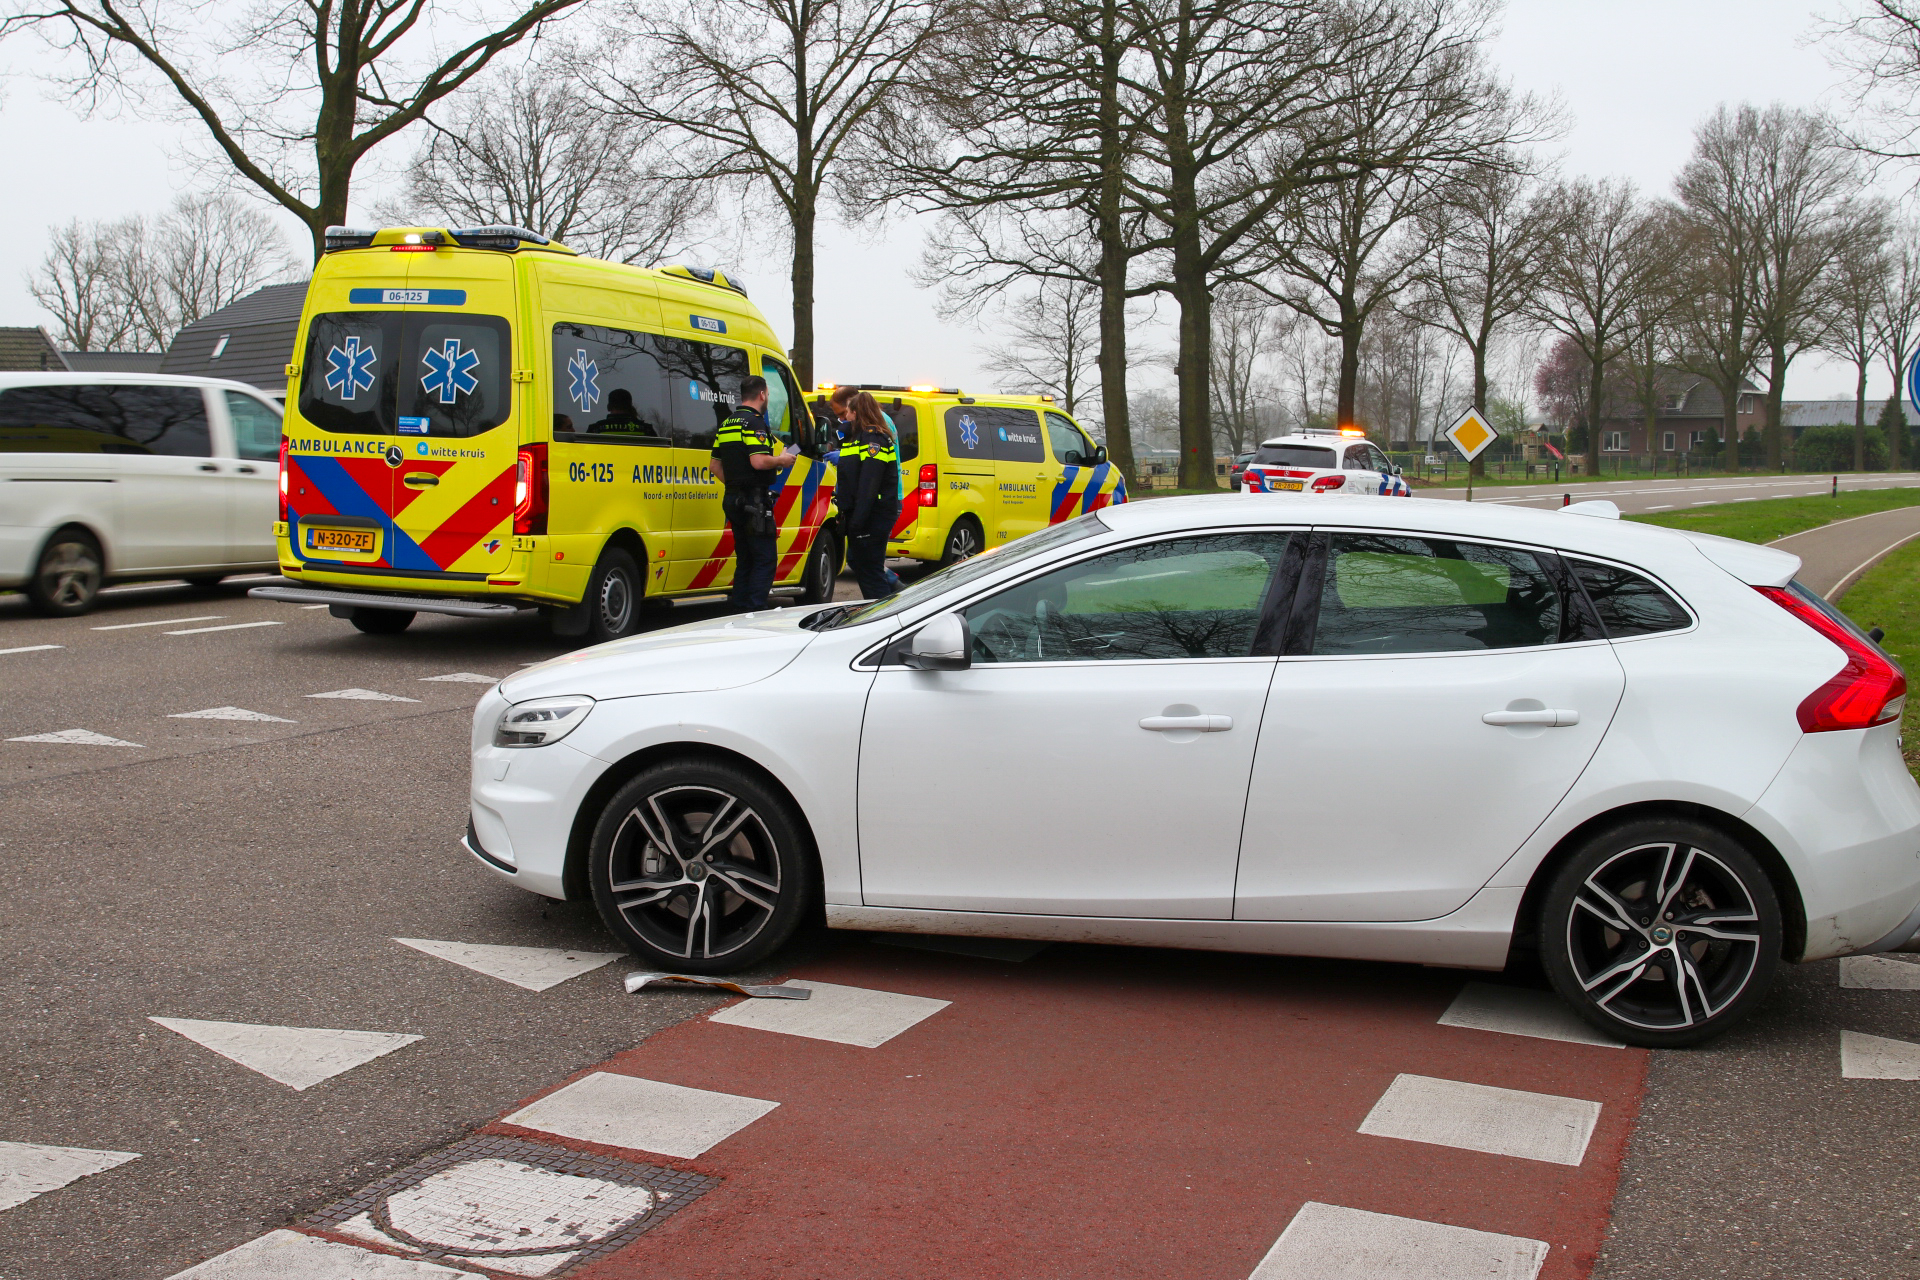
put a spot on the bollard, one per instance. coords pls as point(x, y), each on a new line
point(1566, 499)
point(1836, 486)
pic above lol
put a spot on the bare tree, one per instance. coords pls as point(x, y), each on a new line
point(79, 284)
point(293, 94)
point(1897, 322)
point(529, 150)
point(1879, 48)
point(1860, 281)
point(773, 96)
point(1052, 343)
point(1246, 326)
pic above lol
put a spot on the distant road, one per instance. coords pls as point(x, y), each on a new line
point(1636, 496)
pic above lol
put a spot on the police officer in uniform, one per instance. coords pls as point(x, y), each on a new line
point(868, 487)
point(744, 461)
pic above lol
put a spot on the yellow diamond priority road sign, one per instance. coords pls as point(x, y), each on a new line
point(1471, 434)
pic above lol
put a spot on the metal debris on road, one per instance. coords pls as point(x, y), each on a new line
point(635, 981)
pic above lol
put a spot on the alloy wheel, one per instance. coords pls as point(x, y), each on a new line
point(69, 575)
point(1663, 936)
point(963, 543)
point(695, 872)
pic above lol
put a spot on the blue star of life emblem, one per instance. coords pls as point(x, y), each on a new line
point(350, 368)
point(969, 432)
point(586, 380)
point(450, 371)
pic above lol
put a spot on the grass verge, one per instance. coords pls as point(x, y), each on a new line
point(1888, 596)
point(1771, 518)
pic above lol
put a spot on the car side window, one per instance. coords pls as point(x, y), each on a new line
point(1357, 459)
point(1195, 597)
point(106, 418)
point(1379, 461)
point(256, 428)
point(1071, 448)
point(1391, 594)
point(703, 386)
point(608, 384)
point(1628, 604)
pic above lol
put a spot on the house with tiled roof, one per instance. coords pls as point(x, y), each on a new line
point(113, 361)
point(249, 340)
point(28, 350)
point(1691, 412)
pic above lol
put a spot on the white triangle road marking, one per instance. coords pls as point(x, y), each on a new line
point(228, 713)
point(77, 737)
point(1865, 1057)
point(298, 1057)
point(28, 1169)
point(461, 677)
point(535, 968)
point(288, 1255)
point(363, 695)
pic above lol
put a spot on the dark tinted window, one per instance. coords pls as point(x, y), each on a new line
point(968, 437)
point(703, 386)
point(1184, 598)
point(1628, 604)
point(416, 373)
point(346, 382)
point(1294, 455)
point(608, 382)
point(105, 419)
point(983, 431)
point(256, 427)
point(906, 425)
point(1385, 594)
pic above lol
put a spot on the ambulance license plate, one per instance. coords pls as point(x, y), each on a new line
point(1286, 484)
point(360, 540)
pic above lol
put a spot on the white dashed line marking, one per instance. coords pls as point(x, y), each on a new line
point(363, 695)
point(76, 737)
point(461, 677)
point(1665, 506)
point(33, 648)
point(316, 606)
point(1865, 1057)
point(643, 1115)
point(845, 1015)
point(228, 713)
point(28, 1169)
point(1879, 973)
point(298, 1057)
point(288, 1255)
point(231, 626)
point(1519, 1011)
point(164, 622)
point(1480, 1117)
point(534, 968)
point(1329, 1242)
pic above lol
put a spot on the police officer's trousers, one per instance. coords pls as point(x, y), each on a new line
point(867, 551)
point(753, 554)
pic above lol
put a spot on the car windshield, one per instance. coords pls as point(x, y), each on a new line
point(1295, 455)
point(954, 575)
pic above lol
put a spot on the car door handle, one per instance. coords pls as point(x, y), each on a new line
point(1187, 724)
point(208, 466)
point(1550, 717)
point(245, 471)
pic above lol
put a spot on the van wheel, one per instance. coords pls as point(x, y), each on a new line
point(381, 622)
point(613, 597)
point(823, 569)
point(964, 542)
point(66, 582)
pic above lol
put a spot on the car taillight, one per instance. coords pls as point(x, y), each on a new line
point(929, 484)
point(530, 490)
point(1326, 484)
point(1869, 690)
point(283, 479)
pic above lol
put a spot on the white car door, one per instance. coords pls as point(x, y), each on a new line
point(1449, 682)
point(1094, 758)
point(251, 473)
point(173, 502)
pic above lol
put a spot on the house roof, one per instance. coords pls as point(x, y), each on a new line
point(249, 340)
point(113, 361)
point(1831, 413)
point(28, 350)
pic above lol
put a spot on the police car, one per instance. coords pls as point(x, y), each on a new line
point(1323, 461)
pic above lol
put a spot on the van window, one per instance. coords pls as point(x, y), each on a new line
point(784, 401)
point(906, 425)
point(1070, 445)
point(97, 418)
point(1294, 455)
point(608, 382)
point(984, 431)
point(256, 428)
point(703, 385)
point(417, 373)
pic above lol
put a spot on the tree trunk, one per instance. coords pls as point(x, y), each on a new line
point(1771, 429)
point(804, 217)
point(1479, 465)
point(1596, 406)
point(1112, 234)
point(1196, 357)
point(1347, 396)
point(1860, 418)
point(1730, 424)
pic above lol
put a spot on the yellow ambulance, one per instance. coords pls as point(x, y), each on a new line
point(980, 471)
point(480, 421)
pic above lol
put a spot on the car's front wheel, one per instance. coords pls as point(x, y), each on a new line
point(67, 579)
point(1661, 932)
point(700, 866)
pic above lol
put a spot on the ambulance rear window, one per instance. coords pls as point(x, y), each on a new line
point(414, 373)
point(1295, 455)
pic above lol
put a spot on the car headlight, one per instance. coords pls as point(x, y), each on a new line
point(541, 721)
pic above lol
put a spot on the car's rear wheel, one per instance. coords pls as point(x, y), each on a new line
point(964, 542)
point(66, 581)
point(381, 622)
point(613, 597)
point(205, 580)
point(700, 866)
point(823, 569)
point(1661, 932)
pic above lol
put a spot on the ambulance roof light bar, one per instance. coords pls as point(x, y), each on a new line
point(715, 276)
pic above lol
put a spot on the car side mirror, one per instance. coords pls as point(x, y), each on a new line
point(944, 644)
point(1099, 453)
point(1396, 468)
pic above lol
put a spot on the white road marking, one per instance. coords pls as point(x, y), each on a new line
point(229, 713)
point(76, 737)
point(1015, 950)
point(298, 1057)
point(288, 1255)
point(1329, 1242)
point(462, 677)
point(363, 695)
point(504, 1205)
point(28, 1169)
point(845, 1015)
point(1520, 1011)
point(1708, 503)
point(33, 648)
point(1480, 1117)
point(316, 606)
point(1665, 506)
point(534, 968)
point(1868, 563)
point(1865, 1057)
point(164, 622)
point(1879, 973)
point(644, 1115)
point(231, 626)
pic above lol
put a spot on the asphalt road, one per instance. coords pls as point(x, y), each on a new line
point(1636, 496)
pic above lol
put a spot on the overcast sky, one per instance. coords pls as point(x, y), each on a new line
point(1634, 75)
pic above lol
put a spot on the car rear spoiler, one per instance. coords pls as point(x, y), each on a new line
point(1754, 565)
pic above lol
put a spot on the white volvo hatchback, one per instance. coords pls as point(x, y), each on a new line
point(1410, 731)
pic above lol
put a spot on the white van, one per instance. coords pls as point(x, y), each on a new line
point(114, 476)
